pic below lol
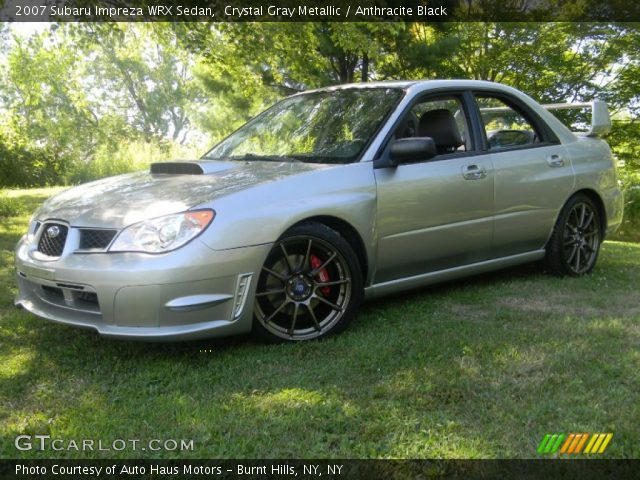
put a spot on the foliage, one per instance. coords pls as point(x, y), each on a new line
point(625, 146)
point(553, 62)
point(630, 228)
point(10, 207)
point(49, 125)
point(20, 166)
point(143, 73)
point(246, 66)
point(624, 139)
point(127, 157)
point(83, 93)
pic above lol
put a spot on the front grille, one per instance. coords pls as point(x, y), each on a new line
point(96, 239)
point(52, 239)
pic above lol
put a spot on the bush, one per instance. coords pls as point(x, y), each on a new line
point(630, 229)
point(127, 157)
point(24, 167)
point(31, 166)
point(10, 207)
point(623, 140)
point(25, 164)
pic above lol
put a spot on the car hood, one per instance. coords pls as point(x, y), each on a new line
point(119, 201)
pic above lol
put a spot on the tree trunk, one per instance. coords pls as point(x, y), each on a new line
point(365, 67)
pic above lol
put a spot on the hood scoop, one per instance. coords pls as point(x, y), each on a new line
point(177, 168)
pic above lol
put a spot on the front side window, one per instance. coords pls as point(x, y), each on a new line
point(441, 119)
point(319, 127)
point(504, 126)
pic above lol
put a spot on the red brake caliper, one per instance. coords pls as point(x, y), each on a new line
point(323, 275)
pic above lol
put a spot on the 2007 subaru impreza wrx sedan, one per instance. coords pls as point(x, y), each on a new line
point(326, 198)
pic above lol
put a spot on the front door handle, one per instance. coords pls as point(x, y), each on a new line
point(473, 172)
point(555, 160)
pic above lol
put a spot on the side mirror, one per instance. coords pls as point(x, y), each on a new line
point(413, 149)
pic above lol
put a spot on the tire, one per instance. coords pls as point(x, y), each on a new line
point(575, 242)
point(309, 287)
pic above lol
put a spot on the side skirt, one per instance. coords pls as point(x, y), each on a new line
point(394, 286)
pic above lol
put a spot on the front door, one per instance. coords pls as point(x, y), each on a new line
point(437, 213)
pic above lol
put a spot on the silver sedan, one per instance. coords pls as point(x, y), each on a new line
point(328, 197)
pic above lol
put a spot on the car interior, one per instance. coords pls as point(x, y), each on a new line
point(505, 127)
point(440, 120)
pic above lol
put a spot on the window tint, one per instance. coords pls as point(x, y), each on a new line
point(442, 119)
point(504, 126)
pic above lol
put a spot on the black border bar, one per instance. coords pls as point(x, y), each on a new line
point(313, 11)
point(329, 469)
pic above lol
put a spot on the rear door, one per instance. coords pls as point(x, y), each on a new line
point(436, 213)
point(532, 173)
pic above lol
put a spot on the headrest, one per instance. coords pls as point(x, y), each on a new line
point(441, 126)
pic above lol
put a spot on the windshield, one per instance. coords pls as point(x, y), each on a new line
point(320, 127)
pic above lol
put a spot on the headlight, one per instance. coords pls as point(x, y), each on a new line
point(33, 228)
point(163, 234)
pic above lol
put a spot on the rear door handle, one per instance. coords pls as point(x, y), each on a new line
point(473, 172)
point(555, 160)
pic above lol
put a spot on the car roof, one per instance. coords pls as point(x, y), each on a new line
point(416, 84)
point(387, 84)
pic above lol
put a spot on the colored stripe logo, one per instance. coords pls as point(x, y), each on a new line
point(574, 443)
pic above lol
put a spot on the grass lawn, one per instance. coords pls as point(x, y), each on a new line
point(483, 367)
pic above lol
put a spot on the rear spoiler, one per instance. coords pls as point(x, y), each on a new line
point(600, 119)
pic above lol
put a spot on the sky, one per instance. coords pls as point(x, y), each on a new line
point(25, 29)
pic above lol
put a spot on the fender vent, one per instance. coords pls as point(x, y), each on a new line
point(177, 168)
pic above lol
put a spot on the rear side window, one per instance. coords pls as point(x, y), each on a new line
point(504, 126)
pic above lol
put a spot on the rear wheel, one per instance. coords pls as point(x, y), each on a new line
point(575, 243)
point(310, 286)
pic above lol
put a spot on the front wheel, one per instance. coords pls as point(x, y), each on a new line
point(575, 242)
point(310, 286)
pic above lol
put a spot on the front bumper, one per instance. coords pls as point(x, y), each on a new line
point(190, 293)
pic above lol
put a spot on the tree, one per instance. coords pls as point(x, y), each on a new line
point(48, 110)
point(144, 74)
point(245, 66)
point(84, 88)
point(75, 92)
point(551, 61)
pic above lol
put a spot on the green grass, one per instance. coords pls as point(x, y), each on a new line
point(483, 367)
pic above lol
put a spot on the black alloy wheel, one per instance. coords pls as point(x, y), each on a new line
point(310, 285)
point(575, 243)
